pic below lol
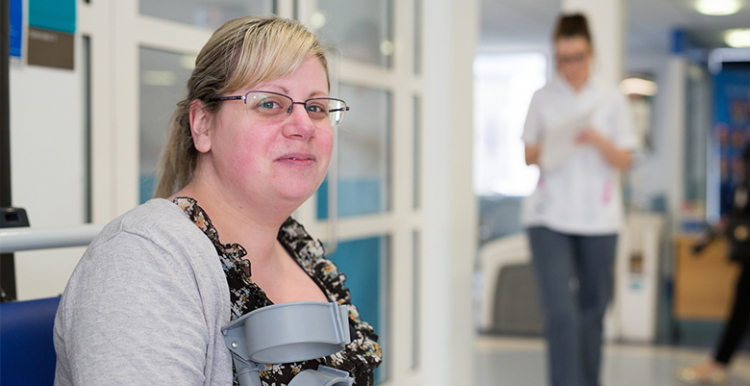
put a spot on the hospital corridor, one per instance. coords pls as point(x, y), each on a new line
point(508, 361)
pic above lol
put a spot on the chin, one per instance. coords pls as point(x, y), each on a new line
point(297, 193)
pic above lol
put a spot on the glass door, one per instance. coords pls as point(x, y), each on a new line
point(367, 211)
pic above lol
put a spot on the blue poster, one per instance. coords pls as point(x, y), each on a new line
point(731, 126)
point(16, 28)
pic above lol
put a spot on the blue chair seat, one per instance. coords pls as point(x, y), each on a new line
point(27, 354)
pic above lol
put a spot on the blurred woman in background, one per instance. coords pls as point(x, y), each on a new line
point(579, 132)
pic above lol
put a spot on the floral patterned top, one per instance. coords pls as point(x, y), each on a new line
point(359, 358)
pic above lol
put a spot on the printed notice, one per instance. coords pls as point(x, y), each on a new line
point(559, 142)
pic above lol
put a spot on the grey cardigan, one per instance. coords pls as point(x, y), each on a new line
point(145, 306)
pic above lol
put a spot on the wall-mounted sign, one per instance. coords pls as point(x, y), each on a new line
point(16, 29)
point(52, 25)
point(50, 48)
point(55, 15)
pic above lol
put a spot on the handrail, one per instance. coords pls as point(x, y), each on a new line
point(25, 239)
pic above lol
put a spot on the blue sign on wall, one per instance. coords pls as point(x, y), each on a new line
point(16, 28)
point(55, 15)
point(731, 126)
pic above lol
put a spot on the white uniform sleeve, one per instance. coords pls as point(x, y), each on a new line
point(532, 128)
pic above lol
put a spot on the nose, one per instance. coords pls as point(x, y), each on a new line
point(298, 123)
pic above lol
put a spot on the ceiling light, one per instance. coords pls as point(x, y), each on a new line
point(188, 62)
point(738, 38)
point(159, 78)
point(318, 20)
point(718, 7)
point(386, 47)
point(638, 86)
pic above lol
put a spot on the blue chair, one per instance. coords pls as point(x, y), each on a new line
point(27, 354)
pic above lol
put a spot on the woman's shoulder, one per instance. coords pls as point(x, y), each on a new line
point(547, 90)
point(154, 242)
point(158, 222)
point(154, 216)
point(549, 93)
point(145, 270)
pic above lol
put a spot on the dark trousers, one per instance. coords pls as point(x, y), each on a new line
point(737, 324)
point(575, 283)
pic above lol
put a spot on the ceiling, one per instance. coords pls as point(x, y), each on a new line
point(517, 23)
point(509, 24)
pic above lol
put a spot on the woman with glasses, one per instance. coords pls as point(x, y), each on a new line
point(579, 132)
point(248, 145)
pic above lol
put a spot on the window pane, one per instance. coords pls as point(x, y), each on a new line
point(364, 155)
point(163, 80)
point(415, 306)
point(88, 200)
point(696, 132)
point(503, 87)
point(417, 164)
point(365, 262)
point(205, 13)
point(417, 36)
point(361, 29)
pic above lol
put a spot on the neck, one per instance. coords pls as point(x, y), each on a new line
point(577, 86)
point(253, 225)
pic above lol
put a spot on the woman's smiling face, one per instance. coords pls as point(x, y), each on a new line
point(271, 163)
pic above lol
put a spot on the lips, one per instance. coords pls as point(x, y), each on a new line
point(297, 157)
point(300, 159)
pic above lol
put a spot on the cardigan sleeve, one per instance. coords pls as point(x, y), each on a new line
point(132, 314)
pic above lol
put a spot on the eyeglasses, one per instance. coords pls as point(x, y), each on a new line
point(571, 59)
point(272, 107)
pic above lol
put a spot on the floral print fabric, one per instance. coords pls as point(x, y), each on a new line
point(359, 358)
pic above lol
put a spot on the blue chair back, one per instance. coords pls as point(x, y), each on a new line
point(27, 354)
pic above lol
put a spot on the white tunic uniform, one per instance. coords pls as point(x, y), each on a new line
point(581, 194)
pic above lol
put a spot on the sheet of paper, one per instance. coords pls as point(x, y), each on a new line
point(559, 142)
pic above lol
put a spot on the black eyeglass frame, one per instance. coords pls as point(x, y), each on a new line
point(243, 98)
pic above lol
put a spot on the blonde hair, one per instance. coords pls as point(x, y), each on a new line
point(242, 53)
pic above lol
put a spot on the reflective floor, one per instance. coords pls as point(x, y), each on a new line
point(521, 362)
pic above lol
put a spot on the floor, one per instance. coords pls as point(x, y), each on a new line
point(521, 362)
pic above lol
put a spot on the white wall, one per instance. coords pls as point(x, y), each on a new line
point(450, 208)
point(47, 167)
point(659, 171)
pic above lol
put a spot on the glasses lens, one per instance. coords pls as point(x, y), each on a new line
point(571, 59)
point(336, 111)
point(317, 109)
point(267, 106)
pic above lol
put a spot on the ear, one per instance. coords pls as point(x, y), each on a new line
point(199, 124)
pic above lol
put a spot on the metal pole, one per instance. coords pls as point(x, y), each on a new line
point(7, 265)
point(27, 239)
